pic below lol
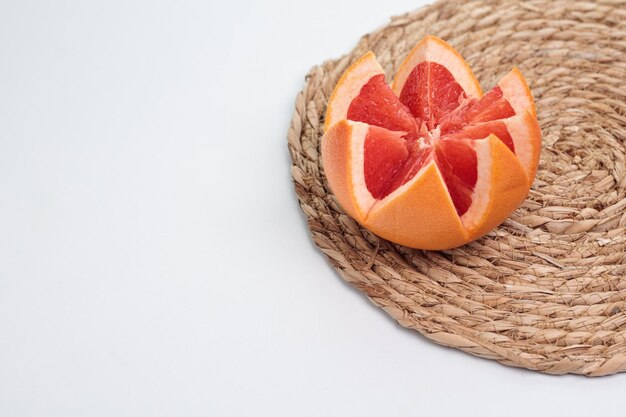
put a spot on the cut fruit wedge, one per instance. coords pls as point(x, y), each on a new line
point(430, 162)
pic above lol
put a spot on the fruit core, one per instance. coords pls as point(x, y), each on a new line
point(433, 119)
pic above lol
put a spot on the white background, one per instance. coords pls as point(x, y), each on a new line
point(153, 258)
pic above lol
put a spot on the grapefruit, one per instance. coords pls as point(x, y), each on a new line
point(429, 162)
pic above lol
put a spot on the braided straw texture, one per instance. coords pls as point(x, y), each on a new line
point(546, 290)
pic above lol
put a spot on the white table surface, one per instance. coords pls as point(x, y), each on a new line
point(153, 258)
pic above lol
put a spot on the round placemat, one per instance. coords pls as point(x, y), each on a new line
point(545, 290)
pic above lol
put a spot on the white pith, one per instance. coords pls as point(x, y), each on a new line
point(480, 195)
point(364, 198)
point(520, 132)
point(512, 85)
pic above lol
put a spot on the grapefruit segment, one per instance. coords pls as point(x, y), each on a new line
point(429, 163)
point(342, 152)
point(457, 163)
point(526, 137)
point(482, 130)
point(433, 49)
point(502, 185)
point(377, 105)
point(418, 156)
point(430, 92)
point(515, 90)
point(384, 154)
point(492, 106)
point(349, 86)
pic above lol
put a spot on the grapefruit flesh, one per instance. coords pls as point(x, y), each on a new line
point(377, 105)
point(384, 154)
point(430, 162)
point(430, 92)
point(436, 116)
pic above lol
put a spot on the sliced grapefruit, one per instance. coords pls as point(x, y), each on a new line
point(430, 162)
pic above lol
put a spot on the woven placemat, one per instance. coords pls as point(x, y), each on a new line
point(546, 290)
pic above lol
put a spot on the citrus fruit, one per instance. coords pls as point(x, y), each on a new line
point(429, 162)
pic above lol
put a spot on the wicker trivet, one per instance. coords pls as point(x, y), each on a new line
point(547, 289)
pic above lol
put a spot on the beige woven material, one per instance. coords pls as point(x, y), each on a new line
point(546, 290)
